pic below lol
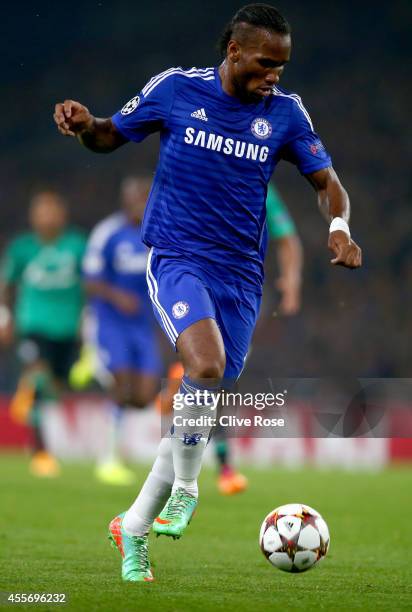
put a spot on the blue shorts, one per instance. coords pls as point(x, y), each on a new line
point(126, 346)
point(182, 293)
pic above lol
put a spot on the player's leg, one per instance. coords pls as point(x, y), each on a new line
point(137, 386)
point(36, 387)
point(110, 468)
point(88, 366)
point(95, 359)
point(130, 389)
point(144, 389)
point(59, 356)
point(146, 363)
point(184, 308)
point(114, 373)
point(202, 352)
point(129, 530)
point(201, 349)
point(133, 358)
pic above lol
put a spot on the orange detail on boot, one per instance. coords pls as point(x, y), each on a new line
point(162, 521)
point(115, 529)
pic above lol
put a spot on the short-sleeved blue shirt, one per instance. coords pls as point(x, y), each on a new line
point(116, 255)
point(217, 156)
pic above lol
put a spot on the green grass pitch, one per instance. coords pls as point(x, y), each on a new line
point(53, 539)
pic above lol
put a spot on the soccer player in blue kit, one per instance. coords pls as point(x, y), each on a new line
point(125, 336)
point(222, 132)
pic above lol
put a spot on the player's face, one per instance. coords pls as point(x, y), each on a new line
point(258, 63)
point(134, 195)
point(47, 215)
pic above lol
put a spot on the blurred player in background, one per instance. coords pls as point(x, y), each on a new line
point(41, 304)
point(124, 332)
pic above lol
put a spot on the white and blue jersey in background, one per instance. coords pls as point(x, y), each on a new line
point(206, 213)
point(116, 255)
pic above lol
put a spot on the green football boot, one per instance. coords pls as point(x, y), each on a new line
point(134, 551)
point(176, 515)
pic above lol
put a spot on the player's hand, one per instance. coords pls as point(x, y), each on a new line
point(72, 118)
point(126, 302)
point(346, 251)
point(290, 296)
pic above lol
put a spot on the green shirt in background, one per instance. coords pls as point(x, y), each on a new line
point(47, 276)
point(278, 219)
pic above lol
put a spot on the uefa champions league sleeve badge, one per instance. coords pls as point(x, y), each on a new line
point(130, 106)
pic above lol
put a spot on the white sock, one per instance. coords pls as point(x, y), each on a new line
point(188, 462)
point(111, 452)
point(189, 442)
point(154, 493)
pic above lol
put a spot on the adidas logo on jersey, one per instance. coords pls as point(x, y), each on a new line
point(200, 114)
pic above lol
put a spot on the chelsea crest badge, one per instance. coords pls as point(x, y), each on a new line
point(261, 128)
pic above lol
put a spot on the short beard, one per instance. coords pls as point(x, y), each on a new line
point(244, 95)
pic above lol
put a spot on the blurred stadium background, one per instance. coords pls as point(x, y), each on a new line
point(349, 65)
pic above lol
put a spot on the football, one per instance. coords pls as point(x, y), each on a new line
point(294, 537)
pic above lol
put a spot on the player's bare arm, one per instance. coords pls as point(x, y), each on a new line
point(290, 262)
point(334, 203)
point(6, 317)
point(99, 135)
point(125, 301)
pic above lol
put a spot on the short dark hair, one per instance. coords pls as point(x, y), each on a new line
point(262, 16)
point(48, 192)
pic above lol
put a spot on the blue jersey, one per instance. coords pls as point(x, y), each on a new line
point(116, 255)
point(217, 156)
